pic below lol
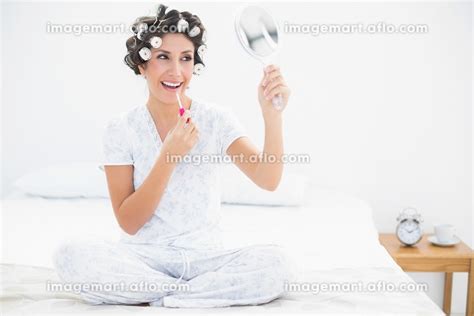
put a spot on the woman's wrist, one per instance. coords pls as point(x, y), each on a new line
point(273, 117)
point(166, 158)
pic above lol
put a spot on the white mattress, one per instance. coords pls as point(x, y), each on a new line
point(330, 239)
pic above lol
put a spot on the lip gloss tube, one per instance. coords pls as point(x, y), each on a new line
point(181, 108)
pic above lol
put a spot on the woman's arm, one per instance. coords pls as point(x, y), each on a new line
point(134, 208)
point(264, 172)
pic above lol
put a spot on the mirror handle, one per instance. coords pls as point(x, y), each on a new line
point(277, 102)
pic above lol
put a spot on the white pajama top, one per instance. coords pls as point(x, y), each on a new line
point(188, 213)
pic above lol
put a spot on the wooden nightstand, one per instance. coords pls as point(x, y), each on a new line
point(425, 257)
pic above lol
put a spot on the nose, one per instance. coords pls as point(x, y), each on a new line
point(175, 69)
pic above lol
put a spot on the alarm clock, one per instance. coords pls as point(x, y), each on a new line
point(409, 230)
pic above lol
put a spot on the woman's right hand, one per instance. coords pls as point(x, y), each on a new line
point(181, 138)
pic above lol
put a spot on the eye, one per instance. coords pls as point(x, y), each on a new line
point(187, 58)
point(162, 56)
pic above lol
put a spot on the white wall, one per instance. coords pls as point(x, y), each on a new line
point(386, 117)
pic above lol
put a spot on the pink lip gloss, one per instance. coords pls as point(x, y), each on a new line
point(181, 108)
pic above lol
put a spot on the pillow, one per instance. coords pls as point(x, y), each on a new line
point(237, 188)
point(87, 180)
point(68, 180)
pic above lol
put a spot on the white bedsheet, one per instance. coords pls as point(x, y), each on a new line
point(24, 292)
point(332, 238)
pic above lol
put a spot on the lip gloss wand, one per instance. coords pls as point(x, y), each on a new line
point(181, 108)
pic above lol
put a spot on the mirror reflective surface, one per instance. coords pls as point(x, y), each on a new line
point(258, 33)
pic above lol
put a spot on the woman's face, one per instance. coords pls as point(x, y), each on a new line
point(170, 64)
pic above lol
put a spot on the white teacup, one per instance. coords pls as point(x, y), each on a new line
point(444, 232)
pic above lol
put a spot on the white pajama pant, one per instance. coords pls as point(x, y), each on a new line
point(208, 278)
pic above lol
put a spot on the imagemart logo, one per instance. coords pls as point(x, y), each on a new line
point(378, 286)
point(121, 286)
point(316, 29)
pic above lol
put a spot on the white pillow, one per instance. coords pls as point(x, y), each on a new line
point(237, 188)
point(68, 180)
point(87, 180)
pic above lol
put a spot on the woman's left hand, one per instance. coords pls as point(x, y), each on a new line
point(271, 85)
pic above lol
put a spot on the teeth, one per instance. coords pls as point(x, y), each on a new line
point(171, 84)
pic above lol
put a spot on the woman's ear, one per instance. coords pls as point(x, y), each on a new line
point(142, 70)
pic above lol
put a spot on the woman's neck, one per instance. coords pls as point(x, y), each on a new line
point(165, 113)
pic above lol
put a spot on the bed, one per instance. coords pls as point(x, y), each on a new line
point(331, 239)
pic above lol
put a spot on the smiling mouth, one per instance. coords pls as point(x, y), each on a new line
point(171, 85)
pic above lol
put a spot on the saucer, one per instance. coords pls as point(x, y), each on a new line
point(435, 241)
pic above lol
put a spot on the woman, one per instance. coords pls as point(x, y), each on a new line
point(169, 209)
